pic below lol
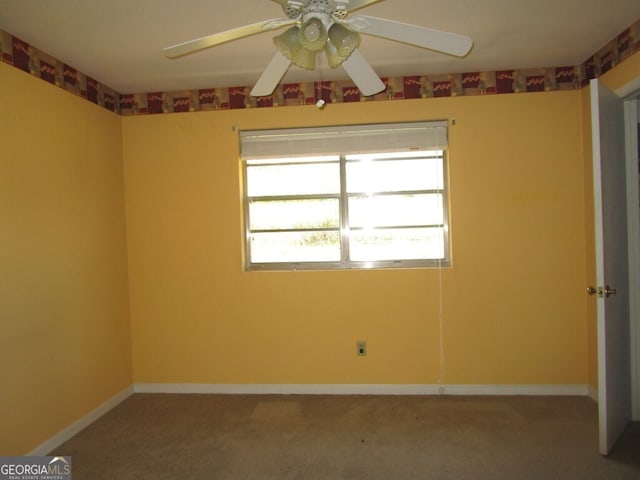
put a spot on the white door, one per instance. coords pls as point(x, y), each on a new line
point(612, 289)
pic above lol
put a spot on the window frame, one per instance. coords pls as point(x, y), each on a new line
point(343, 229)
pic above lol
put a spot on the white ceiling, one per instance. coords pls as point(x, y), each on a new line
point(120, 42)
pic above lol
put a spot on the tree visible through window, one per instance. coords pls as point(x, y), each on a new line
point(374, 209)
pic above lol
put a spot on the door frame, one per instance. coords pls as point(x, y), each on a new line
point(630, 94)
point(632, 119)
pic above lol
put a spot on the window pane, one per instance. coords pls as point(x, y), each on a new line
point(288, 214)
point(316, 246)
point(396, 210)
point(394, 175)
point(296, 179)
point(307, 210)
point(397, 244)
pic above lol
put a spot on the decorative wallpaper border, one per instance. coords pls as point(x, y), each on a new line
point(21, 55)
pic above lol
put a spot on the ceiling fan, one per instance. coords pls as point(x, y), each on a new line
point(325, 25)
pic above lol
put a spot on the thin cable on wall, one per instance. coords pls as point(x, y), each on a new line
point(441, 369)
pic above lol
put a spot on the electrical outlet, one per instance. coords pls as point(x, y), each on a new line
point(361, 348)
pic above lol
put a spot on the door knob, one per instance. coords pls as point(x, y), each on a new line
point(602, 292)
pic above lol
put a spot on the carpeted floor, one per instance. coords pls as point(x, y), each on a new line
point(243, 437)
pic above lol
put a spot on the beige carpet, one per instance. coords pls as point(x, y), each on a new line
point(349, 437)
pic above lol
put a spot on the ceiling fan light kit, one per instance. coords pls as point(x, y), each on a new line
point(288, 43)
point(345, 40)
point(323, 25)
point(301, 45)
point(312, 34)
point(338, 49)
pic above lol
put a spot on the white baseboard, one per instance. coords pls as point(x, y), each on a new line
point(83, 422)
point(532, 390)
point(361, 389)
point(286, 389)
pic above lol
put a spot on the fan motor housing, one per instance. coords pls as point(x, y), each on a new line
point(295, 8)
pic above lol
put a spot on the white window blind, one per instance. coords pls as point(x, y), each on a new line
point(395, 137)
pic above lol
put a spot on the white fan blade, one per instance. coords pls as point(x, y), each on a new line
point(223, 37)
point(437, 40)
point(362, 74)
point(271, 76)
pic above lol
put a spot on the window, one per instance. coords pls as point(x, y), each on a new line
point(368, 196)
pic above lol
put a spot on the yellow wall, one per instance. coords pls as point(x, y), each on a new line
point(513, 309)
point(64, 323)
